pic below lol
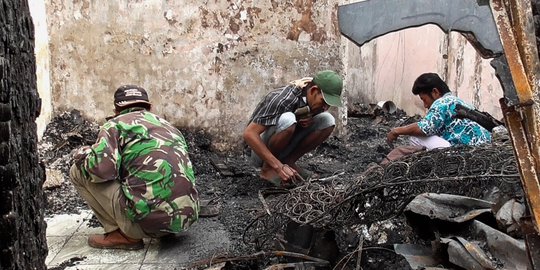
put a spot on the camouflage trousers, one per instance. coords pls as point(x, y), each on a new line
point(104, 200)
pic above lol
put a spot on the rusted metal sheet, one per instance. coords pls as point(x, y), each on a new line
point(521, 120)
point(511, 51)
point(524, 32)
point(529, 176)
point(505, 78)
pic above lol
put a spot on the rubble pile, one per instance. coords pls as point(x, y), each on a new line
point(365, 204)
point(353, 201)
point(66, 132)
point(380, 191)
point(63, 134)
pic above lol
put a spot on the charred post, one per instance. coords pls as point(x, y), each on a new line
point(22, 228)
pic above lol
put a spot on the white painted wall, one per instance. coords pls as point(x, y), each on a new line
point(471, 77)
point(386, 67)
point(41, 49)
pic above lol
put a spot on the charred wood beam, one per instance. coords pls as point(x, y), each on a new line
point(22, 227)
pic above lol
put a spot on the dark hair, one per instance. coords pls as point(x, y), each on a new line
point(309, 85)
point(425, 83)
point(133, 105)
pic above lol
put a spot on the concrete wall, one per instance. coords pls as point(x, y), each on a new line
point(471, 77)
point(386, 67)
point(206, 64)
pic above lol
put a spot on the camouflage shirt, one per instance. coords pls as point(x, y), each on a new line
point(149, 157)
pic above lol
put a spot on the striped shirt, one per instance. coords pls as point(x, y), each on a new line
point(274, 104)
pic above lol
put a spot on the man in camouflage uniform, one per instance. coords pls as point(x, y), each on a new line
point(137, 177)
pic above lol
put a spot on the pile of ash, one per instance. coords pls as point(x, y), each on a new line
point(63, 134)
point(69, 131)
point(342, 158)
point(66, 132)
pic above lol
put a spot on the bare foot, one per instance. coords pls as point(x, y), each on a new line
point(268, 173)
point(268, 176)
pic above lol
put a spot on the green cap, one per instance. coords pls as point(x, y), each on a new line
point(331, 86)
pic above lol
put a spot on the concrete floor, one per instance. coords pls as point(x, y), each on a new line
point(67, 236)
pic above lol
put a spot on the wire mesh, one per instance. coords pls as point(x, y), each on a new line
point(381, 192)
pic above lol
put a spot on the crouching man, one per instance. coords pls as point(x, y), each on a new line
point(290, 122)
point(137, 178)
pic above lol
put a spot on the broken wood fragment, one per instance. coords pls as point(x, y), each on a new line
point(360, 248)
point(221, 167)
point(316, 262)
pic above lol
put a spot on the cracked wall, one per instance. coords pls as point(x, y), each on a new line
point(205, 64)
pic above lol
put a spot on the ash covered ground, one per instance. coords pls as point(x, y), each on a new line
point(237, 193)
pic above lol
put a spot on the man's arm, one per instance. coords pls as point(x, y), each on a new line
point(101, 162)
point(252, 136)
point(410, 129)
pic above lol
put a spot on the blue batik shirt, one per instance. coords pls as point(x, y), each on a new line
point(440, 121)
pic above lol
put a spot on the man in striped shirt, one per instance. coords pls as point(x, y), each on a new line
point(290, 122)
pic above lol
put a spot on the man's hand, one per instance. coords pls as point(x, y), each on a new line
point(304, 116)
point(410, 130)
point(391, 136)
point(78, 155)
point(287, 173)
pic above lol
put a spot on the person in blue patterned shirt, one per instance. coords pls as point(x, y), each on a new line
point(440, 127)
